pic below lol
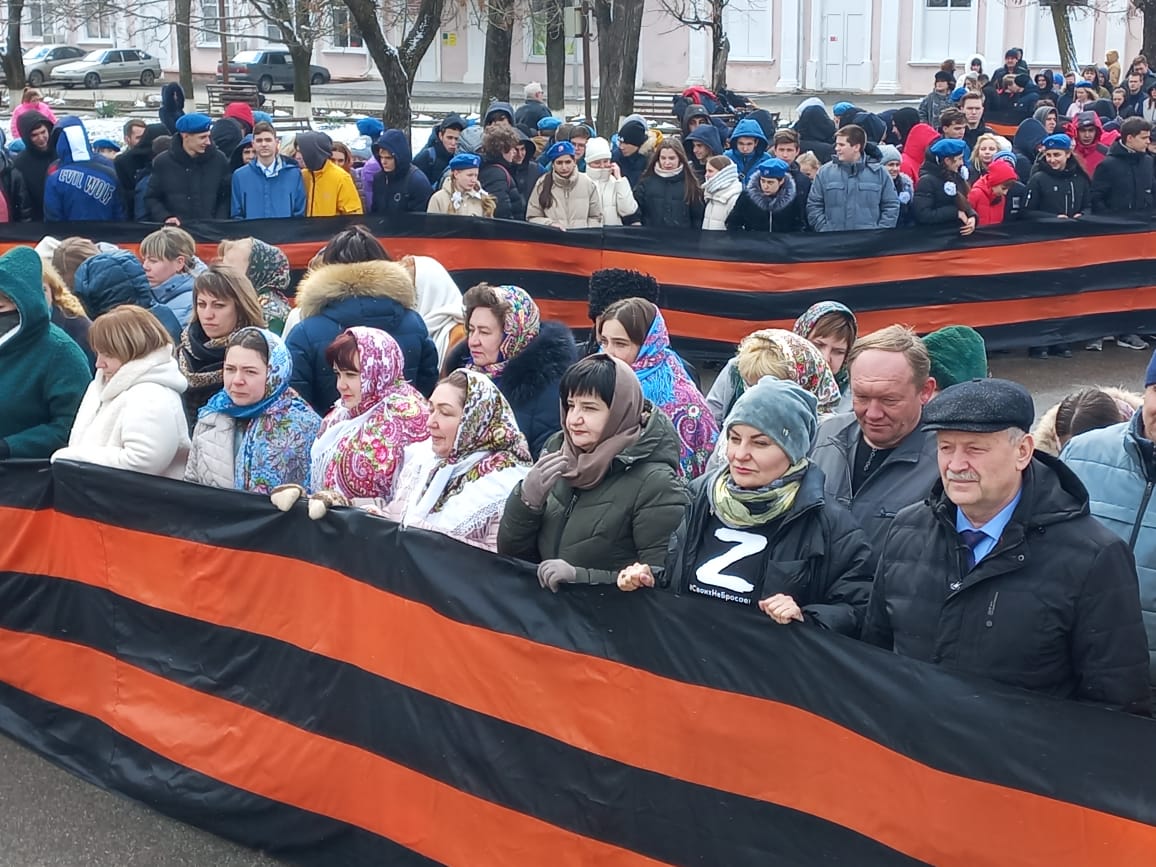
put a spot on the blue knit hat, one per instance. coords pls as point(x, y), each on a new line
point(465, 161)
point(559, 149)
point(262, 117)
point(841, 108)
point(105, 144)
point(16, 146)
point(549, 124)
point(772, 167)
point(782, 411)
point(1006, 156)
point(958, 94)
point(1150, 376)
point(1058, 142)
point(948, 147)
point(1058, 79)
point(370, 127)
point(194, 124)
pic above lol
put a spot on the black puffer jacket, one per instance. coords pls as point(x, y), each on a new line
point(497, 178)
point(134, 164)
point(15, 191)
point(662, 203)
point(187, 187)
point(1123, 181)
point(817, 554)
point(1055, 608)
point(933, 203)
point(1051, 193)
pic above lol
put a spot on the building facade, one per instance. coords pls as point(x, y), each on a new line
point(871, 46)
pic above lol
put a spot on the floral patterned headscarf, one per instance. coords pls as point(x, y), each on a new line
point(805, 324)
point(281, 426)
point(360, 451)
point(269, 273)
point(808, 368)
point(487, 425)
point(521, 326)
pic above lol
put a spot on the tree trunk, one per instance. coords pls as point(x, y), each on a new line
point(720, 52)
point(555, 56)
point(1063, 27)
point(499, 42)
point(302, 90)
point(1147, 9)
point(183, 12)
point(619, 30)
point(14, 58)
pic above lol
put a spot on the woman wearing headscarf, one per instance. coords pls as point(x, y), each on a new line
point(760, 532)
point(458, 480)
point(831, 328)
point(606, 493)
point(524, 356)
point(254, 434)
point(941, 193)
point(634, 331)
point(564, 197)
point(267, 268)
point(439, 301)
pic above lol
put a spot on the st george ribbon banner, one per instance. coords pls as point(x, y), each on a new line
point(347, 692)
point(1034, 281)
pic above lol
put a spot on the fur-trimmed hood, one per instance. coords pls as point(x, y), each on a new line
point(333, 283)
point(773, 204)
point(1044, 433)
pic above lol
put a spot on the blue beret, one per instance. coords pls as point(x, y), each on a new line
point(465, 161)
point(841, 108)
point(102, 143)
point(548, 124)
point(771, 168)
point(1057, 78)
point(194, 123)
point(958, 94)
point(948, 147)
point(370, 127)
point(981, 406)
point(264, 117)
point(1058, 141)
point(559, 149)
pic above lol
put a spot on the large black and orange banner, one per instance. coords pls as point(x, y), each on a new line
point(1041, 281)
point(345, 692)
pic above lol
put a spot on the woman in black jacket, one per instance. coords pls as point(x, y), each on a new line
point(941, 194)
point(499, 155)
point(1058, 187)
point(669, 195)
point(767, 202)
point(760, 533)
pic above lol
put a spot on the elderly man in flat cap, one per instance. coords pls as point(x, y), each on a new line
point(1003, 572)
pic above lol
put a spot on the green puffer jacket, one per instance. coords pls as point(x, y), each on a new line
point(627, 519)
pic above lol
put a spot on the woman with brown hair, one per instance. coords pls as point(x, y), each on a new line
point(668, 194)
point(224, 302)
point(70, 254)
point(564, 197)
point(132, 417)
point(499, 162)
point(941, 192)
point(67, 311)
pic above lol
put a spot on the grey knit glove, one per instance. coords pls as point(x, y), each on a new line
point(541, 478)
point(551, 573)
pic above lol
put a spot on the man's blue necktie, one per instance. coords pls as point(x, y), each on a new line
point(971, 538)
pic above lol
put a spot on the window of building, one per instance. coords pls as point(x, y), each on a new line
point(345, 32)
point(535, 35)
point(38, 24)
point(748, 27)
point(945, 28)
point(210, 23)
point(99, 24)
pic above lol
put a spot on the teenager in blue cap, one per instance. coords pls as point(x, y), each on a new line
point(769, 201)
point(461, 194)
point(191, 181)
point(941, 193)
point(1059, 187)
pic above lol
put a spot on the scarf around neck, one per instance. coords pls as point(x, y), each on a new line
point(522, 323)
point(667, 173)
point(721, 179)
point(586, 470)
point(741, 508)
point(201, 358)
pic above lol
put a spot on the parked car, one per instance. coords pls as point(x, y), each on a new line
point(39, 62)
point(106, 65)
point(268, 68)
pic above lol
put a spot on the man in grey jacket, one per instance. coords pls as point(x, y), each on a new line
point(854, 191)
point(877, 459)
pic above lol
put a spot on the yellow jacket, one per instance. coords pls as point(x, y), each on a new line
point(330, 191)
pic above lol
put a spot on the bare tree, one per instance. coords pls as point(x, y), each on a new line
point(499, 20)
point(1147, 8)
point(397, 64)
point(183, 10)
point(619, 31)
point(1062, 23)
point(554, 23)
point(706, 15)
point(301, 24)
point(14, 56)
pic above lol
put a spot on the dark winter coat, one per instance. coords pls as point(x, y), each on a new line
point(816, 132)
point(43, 374)
point(108, 280)
point(187, 187)
point(710, 137)
point(817, 554)
point(1123, 181)
point(405, 189)
point(530, 381)
point(434, 159)
point(226, 133)
point(632, 166)
point(529, 113)
point(34, 164)
point(526, 175)
point(497, 178)
point(76, 327)
point(628, 518)
point(755, 211)
point(905, 193)
point(81, 185)
point(905, 476)
point(15, 190)
point(1051, 193)
point(662, 203)
point(1055, 608)
point(172, 106)
point(335, 297)
point(134, 163)
point(933, 204)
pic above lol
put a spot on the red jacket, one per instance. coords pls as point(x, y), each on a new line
point(915, 149)
point(1089, 156)
point(989, 208)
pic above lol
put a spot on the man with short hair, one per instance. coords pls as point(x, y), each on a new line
point(133, 129)
point(1001, 572)
point(1133, 103)
point(1140, 66)
point(534, 108)
point(34, 161)
point(191, 181)
point(785, 146)
point(854, 191)
point(876, 458)
point(1123, 181)
point(972, 107)
point(953, 123)
point(270, 186)
point(435, 158)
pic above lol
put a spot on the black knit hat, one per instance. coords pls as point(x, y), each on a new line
point(614, 284)
point(944, 75)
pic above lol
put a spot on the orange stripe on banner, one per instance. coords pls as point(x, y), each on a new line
point(267, 757)
point(709, 737)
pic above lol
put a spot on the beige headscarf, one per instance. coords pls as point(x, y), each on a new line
point(586, 470)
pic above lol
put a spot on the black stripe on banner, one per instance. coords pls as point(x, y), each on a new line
point(503, 595)
point(516, 767)
point(26, 484)
point(292, 834)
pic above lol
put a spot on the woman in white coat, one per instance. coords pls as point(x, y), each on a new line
point(617, 197)
point(132, 416)
point(721, 190)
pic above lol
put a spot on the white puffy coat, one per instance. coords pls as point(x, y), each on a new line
point(213, 455)
point(135, 420)
point(617, 197)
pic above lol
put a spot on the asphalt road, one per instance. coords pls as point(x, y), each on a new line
point(48, 818)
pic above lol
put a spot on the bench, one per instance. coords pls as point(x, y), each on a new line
point(221, 95)
point(294, 125)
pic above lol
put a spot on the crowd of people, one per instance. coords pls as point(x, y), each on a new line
point(877, 485)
